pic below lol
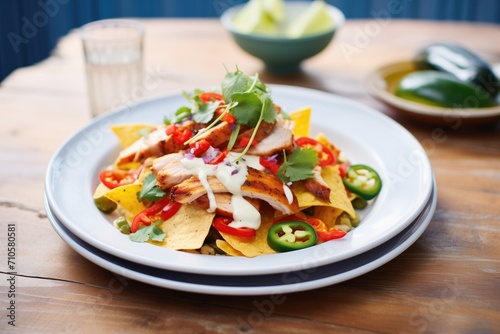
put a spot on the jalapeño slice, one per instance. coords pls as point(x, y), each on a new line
point(291, 235)
point(363, 181)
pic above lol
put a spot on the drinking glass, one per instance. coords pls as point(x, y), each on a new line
point(113, 52)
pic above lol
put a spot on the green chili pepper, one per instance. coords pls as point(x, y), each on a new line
point(291, 235)
point(442, 90)
point(363, 181)
point(461, 63)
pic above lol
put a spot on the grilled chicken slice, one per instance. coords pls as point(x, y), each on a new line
point(224, 206)
point(259, 185)
point(155, 144)
point(264, 130)
point(169, 170)
point(317, 186)
point(217, 135)
point(280, 138)
point(144, 147)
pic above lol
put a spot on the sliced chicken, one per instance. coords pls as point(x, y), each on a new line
point(279, 139)
point(264, 130)
point(144, 147)
point(259, 185)
point(224, 206)
point(155, 144)
point(317, 186)
point(169, 170)
point(217, 135)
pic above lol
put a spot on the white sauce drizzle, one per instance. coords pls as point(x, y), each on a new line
point(288, 193)
point(232, 175)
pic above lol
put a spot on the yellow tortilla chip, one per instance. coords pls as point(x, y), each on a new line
point(128, 133)
point(126, 197)
point(338, 196)
point(255, 246)
point(188, 228)
point(327, 214)
point(302, 119)
point(227, 248)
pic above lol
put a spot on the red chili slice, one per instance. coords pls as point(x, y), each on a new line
point(163, 209)
point(325, 233)
point(221, 224)
point(325, 156)
point(113, 178)
point(211, 96)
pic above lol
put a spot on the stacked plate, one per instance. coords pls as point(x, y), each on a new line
point(390, 224)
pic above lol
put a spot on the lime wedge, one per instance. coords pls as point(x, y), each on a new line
point(256, 18)
point(275, 9)
point(314, 20)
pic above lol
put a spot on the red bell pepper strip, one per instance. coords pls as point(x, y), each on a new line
point(221, 224)
point(325, 233)
point(211, 96)
point(161, 210)
point(325, 156)
point(113, 178)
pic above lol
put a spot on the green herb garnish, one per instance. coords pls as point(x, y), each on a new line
point(145, 233)
point(150, 190)
point(298, 166)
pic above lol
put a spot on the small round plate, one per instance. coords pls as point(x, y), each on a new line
point(383, 82)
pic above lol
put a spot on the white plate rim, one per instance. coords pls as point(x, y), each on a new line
point(419, 183)
point(403, 242)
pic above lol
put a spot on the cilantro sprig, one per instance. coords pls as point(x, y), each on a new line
point(251, 103)
point(247, 99)
point(145, 233)
point(150, 190)
point(298, 165)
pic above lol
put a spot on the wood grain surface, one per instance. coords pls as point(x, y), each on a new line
point(448, 281)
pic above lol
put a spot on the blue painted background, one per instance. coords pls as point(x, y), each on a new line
point(29, 29)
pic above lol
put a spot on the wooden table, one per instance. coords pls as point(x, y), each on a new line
point(447, 281)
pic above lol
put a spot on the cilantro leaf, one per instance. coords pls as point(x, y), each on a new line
point(150, 190)
point(268, 111)
point(235, 82)
point(299, 165)
point(205, 112)
point(247, 111)
point(179, 116)
point(144, 233)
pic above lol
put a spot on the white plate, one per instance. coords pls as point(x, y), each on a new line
point(289, 282)
point(365, 135)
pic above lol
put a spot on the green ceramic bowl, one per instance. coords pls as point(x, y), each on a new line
point(282, 54)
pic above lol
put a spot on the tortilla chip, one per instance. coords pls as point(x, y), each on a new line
point(126, 197)
point(188, 228)
point(338, 196)
point(255, 246)
point(227, 248)
point(127, 134)
point(302, 119)
point(327, 214)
